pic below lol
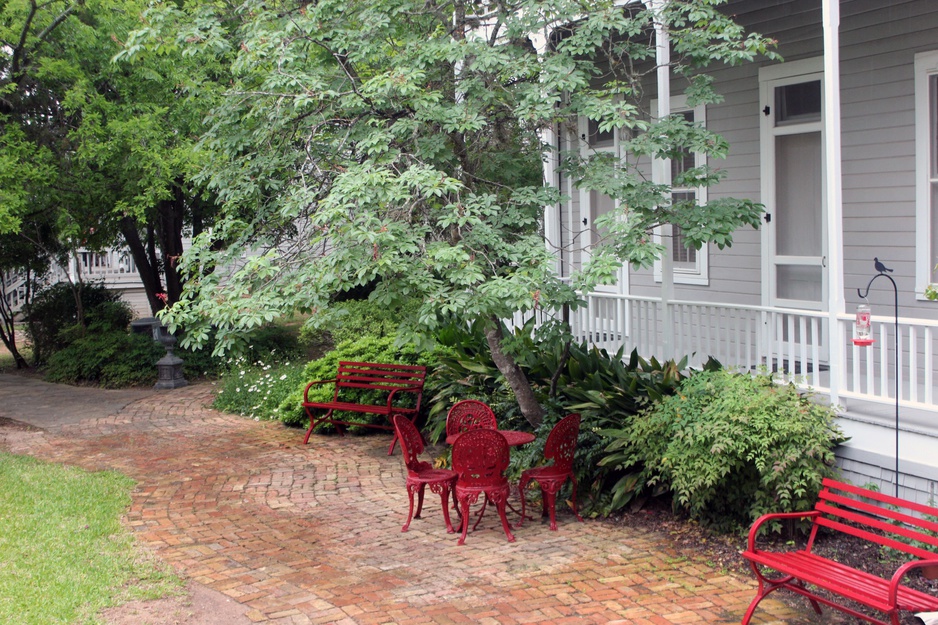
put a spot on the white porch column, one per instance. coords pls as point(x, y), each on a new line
point(663, 61)
point(551, 212)
point(834, 193)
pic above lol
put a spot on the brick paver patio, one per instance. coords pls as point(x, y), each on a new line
point(311, 534)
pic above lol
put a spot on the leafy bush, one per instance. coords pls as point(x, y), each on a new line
point(53, 316)
point(731, 447)
point(269, 345)
point(363, 349)
point(352, 319)
point(605, 389)
point(112, 359)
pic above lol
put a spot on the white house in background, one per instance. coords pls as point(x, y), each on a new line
point(115, 268)
point(840, 143)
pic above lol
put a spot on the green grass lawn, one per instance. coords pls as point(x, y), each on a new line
point(63, 552)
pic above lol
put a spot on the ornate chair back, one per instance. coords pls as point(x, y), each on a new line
point(470, 414)
point(561, 442)
point(411, 443)
point(480, 457)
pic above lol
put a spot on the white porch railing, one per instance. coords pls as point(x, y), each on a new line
point(793, 344)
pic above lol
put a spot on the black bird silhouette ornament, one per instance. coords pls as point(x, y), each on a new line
point(881, 268)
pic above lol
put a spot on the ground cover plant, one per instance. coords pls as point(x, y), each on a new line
point(64, 553)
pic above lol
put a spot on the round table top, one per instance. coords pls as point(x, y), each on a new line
point(514, 437)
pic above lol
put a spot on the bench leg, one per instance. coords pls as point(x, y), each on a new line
point(313, 422)
point(767, 586)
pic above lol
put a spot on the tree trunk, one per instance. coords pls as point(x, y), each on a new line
point(8, 332)
point(149, 274)
point(517, 380)
point(170, 221)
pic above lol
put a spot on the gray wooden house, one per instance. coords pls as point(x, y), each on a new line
point(840, 143)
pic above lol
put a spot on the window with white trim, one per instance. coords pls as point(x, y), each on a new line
point(690, 265)
point(926, 169)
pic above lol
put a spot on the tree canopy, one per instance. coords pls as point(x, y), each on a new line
point(399, 144)
point(105, 152)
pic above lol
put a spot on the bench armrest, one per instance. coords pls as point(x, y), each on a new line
point(904, 570)
point(757, 525)
point(313, 383)
point(406, 389)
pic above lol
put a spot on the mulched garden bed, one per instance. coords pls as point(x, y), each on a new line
point(722, 551)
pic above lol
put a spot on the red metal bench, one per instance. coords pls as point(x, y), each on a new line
point(868, 515)
point(389, 379)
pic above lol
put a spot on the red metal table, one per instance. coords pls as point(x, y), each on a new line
point(514, 437)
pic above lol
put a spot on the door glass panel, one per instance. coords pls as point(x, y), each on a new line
point(798, 103)
point(934, 232)
point(798, 195)
point(600, 138)
point(600, 204)
point(798, 282)
point(933, 124)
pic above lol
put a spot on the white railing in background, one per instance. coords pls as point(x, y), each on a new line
point(793, 344)
point(870, 371)
point(14, 289)
point(107, 264)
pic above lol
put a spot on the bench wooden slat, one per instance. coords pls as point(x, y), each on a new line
point(884, 540)
point(843, 580)
point(866, 515)
point(859, 491)
point(874, 510)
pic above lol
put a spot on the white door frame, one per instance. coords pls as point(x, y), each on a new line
point(770, 77)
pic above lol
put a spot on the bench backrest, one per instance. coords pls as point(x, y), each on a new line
point(379, 376)
point(896, 523)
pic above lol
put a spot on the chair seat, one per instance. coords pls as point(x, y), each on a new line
point(546, 473)
point(429, 476)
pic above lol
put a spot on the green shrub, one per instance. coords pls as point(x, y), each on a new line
point(363, 349)
point(604, 388)
point(267, 346)
point(111, 359)
point(731, 447)
point(53, 316)
point(352, 319)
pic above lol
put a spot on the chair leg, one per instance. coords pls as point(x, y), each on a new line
point(444, 496)
point(410, 509)
point(550, 502)
point(500, 506)
point(464, 506)
point(420, 500)
point(522, 486)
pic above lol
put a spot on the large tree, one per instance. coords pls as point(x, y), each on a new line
point(397, 143)
point(105, 147)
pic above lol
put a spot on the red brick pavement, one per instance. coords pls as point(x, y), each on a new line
point(311, 534)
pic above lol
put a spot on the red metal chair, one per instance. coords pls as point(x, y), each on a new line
point(560, 447)
point(469, 414)
point(421, 474)
point(480, 457)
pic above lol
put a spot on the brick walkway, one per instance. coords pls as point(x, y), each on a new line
point(311, 534)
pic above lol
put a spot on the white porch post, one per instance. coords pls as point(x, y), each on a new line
point(663, 60)
point(551, 212)
point(834, 192)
